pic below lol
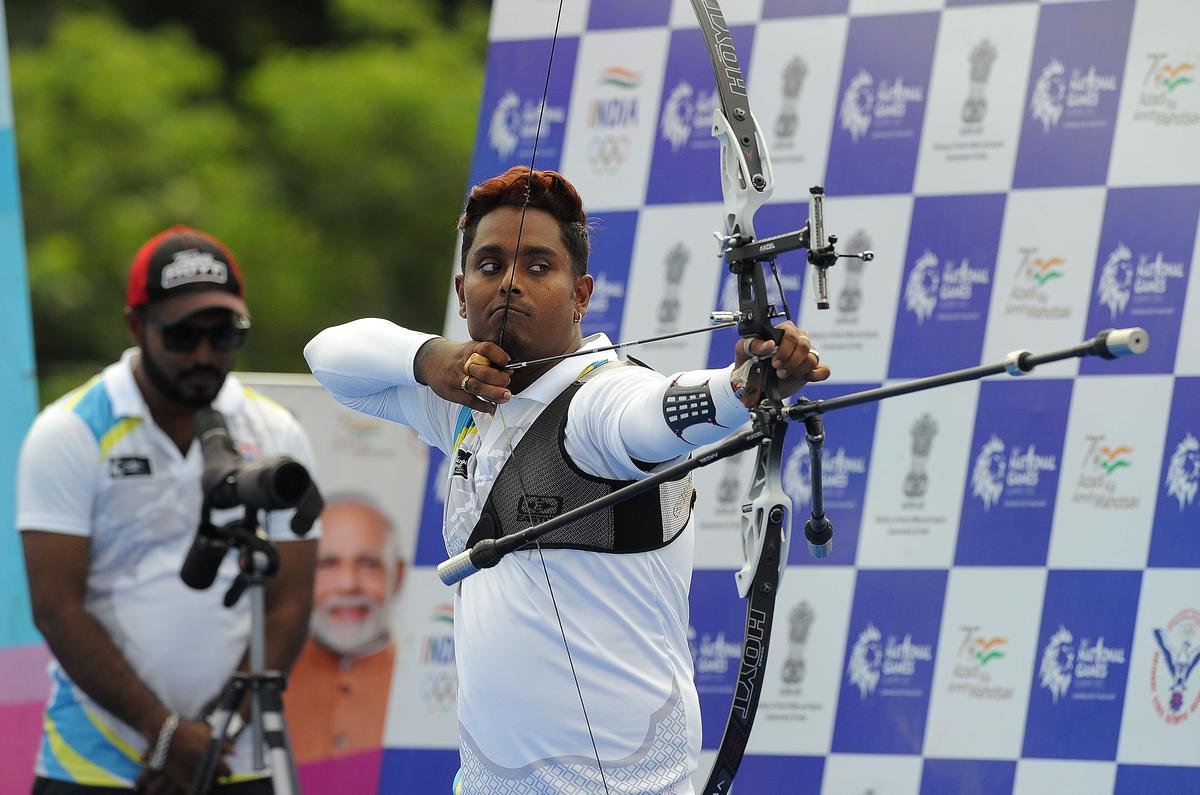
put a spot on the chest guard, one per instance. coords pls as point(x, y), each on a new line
point(550, 483)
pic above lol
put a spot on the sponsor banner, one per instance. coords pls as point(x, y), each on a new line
point(911, 511)
point(1187, 362)
point(1043, 274)
point(985, 654)
point(881, 103)
point(969, 140)
point(1071, 101)
point(947, 284)
point(612, 252)
point(511, 116)
point(685, 165)
point(794, 774)
point(677, 268)
point(1142, 271)
point(856, 331)
point(888, 668)
point(1015, 459)
point(715, 635)
point(1175, 540)
point(795, 715)
point(793, 272)
point(777, 9)
point(795, 94)
point(1159, 117)
point(865, 774)
point(610, 129)
point(1161, 722)
point(845, 460)
point(628, 14)
point(1140, 779)
point(1039, 776)
point(524, 19)
point(967, 775)
point(424, 691)
point(1079, 677)
point(1104, 508)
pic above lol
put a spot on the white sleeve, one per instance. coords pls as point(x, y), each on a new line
point(56, 474)
point(367, 365)
point(617, 419)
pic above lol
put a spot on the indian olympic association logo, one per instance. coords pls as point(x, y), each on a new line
point(858, 103)
point(1176, 657)
point(607, 152)
point(439, 680)
point(1049, 95)
point(1067, 666)
point(921, 289)
point(1116, 280)
point(685, 110)
point(1183, 471)
point(609, 116)
point(987, 477)
point(866, 661)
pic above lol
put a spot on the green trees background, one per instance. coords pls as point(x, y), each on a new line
point(327, 143)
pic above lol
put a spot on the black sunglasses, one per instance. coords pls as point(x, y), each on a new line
point(183, 336)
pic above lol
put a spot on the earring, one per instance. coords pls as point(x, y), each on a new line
point(578, 316)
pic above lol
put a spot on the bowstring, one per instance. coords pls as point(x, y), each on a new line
point(508, 431)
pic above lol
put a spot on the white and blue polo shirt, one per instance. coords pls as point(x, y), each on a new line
point(95, 464)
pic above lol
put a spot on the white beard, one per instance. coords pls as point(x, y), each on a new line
point(349, 639)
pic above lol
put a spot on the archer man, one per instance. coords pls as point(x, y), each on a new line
point(596, 614)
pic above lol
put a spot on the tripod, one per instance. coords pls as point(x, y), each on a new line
point(258, 560)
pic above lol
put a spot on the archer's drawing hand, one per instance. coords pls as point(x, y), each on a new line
point(795, 361)
point(466, 373)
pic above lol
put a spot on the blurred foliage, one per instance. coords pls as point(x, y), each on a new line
point(326, 143)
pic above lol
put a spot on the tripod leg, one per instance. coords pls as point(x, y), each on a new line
point(279, 746)
point(231, 699)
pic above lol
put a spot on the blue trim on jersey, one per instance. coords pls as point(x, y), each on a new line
point(78, 732)
point(465, 420)
point(96, 410)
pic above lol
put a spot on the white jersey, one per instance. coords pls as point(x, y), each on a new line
point(95, 464)
point(625, 616)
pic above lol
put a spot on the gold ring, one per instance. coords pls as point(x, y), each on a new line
point(475, 358)
point(463, 384)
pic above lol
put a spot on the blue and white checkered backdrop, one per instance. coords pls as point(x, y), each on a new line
point(1013, 601)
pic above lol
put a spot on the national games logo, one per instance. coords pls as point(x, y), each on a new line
point(1080, 670)
point(836, 471)
point(515, 122)
point(1056, 95)
point(684, 111)
point(996, 467)
point(712, 653)
point(932, 280)
point(866, 102)
point(1148, 281)
point(1183, 471)
point(1176, 657)
point(872, 660)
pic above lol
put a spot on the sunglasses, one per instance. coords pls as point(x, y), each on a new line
point(183, 336)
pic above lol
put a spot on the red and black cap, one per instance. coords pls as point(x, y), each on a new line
point(184, 271)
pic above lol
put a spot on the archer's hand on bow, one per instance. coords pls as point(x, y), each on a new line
point(467, 373)
point(795, 361)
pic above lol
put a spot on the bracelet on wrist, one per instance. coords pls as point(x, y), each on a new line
point(158, 757)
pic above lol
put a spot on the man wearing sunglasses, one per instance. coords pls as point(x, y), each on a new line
point(109, 499)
